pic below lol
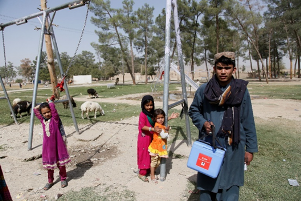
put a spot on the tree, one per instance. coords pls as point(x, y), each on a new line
point(216, 30)
point(157, 44)
point(8, 72)
point(129, 23)
point(190, 29)
point(156, 53)
point(248, 21)
point(287, 14)
point(107, 70)
point(44, 72)
point(65, 61)
point(25, 69)
point(108, 20)
point(144, 34)
point(216, 7)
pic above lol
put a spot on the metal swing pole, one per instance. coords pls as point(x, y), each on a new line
point(169, 4)
point(180, 56)
point(7, 98)
point(34, 96)
point(61, 71)
point(3, 86)
point(166, 80)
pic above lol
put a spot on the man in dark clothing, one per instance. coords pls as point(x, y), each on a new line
point(225, 103)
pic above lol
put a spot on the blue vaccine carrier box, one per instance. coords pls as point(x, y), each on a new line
point(205, 159)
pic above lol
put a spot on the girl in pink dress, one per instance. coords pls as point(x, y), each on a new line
point(54, 152)
point(146, 129)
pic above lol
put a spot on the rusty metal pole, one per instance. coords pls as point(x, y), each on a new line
point(50, 59)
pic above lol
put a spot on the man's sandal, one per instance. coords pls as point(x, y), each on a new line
point(48, 186)
point(143, 178)
point(64, 183)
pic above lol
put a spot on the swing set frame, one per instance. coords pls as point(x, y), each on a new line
point(50, 31)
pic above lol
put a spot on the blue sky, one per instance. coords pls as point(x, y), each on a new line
point(23, 41)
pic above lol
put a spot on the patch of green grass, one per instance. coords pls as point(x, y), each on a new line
point(178, 128)
point(92, 194)
point(120, 90)
point(277, 161)
point(275, 91)
point(113, 112)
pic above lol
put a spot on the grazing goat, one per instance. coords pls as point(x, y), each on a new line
point(92, 93)
point(66, 104)
point(22, 106)
point(90, 106)
point(16, 100)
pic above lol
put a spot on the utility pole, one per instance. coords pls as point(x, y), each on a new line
point(50, 59)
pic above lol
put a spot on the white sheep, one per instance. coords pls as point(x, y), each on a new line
point(90, 106)
point(16, 100)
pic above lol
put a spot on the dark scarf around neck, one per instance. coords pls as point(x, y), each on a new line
point(231, 98)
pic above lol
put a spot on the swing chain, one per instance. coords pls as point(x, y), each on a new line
point(5, 67)
point(81, 36)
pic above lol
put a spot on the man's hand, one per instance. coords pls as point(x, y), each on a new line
point(248, 157)
point(207, 127)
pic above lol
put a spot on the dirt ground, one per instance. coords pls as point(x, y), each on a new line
point(104, 155)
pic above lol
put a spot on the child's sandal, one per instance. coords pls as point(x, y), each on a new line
point(143, 178)
point(48, 186)
point(64, 183)
point(155, 181)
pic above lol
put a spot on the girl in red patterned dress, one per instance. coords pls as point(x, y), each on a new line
point(158, 146)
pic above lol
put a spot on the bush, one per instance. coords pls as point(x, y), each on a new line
point(19, 81)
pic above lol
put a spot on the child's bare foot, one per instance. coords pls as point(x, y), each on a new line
point(154, 178)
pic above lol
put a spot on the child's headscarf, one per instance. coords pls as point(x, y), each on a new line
point(143, 102)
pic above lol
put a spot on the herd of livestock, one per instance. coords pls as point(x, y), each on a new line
point(21, 106)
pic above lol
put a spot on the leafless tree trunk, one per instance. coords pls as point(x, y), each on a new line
point(250, 58)
point(258, 68)
point(132, 55)
point(208, 75)
point(238, 67)
point(145, 59)
point(299, 65)
point(295, 67)
point(270, 67)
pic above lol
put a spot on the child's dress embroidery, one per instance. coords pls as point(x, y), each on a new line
point(47, 127)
